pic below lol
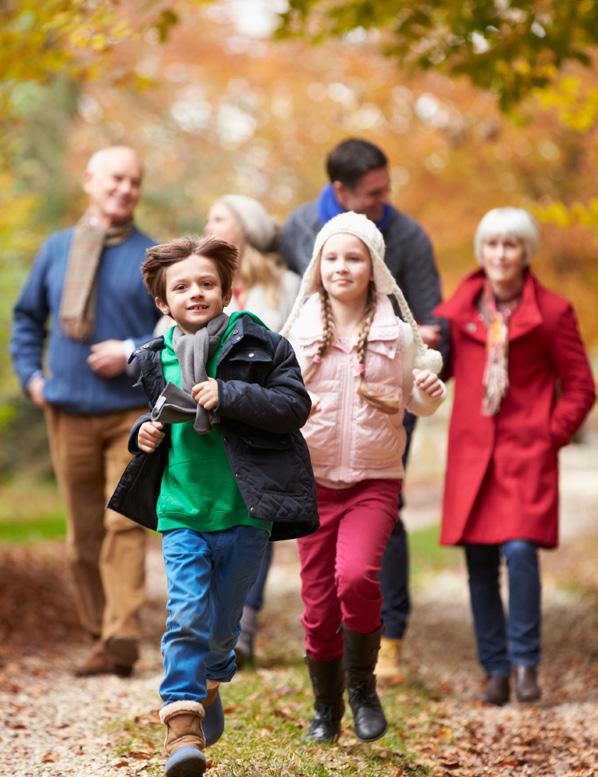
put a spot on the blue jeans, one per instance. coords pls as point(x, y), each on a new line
point(208, 576)
point(394, 575)
point(514, 640)
point(255, 597)
point(394, 581)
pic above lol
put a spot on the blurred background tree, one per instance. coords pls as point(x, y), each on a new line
point(217, 101)
point(508, 47)
point(511, 49)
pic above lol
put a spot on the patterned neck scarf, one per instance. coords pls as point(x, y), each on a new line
point(78, 301)
point(496, 373)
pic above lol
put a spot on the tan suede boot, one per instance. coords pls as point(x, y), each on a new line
point(388, 668)
point(185, 741)
point(212, 688)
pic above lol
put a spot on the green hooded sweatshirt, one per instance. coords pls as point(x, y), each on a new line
point(198, 488)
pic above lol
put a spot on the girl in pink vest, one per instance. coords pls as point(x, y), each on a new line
point(362, 366)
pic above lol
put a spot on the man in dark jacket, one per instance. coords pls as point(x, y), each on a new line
point(359, 180)
point(87, 280)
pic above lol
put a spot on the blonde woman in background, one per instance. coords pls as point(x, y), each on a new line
point(262, 285)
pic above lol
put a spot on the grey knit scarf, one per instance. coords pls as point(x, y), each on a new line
point(193, 353)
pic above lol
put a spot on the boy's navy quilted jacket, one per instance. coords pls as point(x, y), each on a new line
point(262, 406)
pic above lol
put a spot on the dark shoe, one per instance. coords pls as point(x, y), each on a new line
point(327, 683)
point(497, 690)
point(122, 650)
point(99, 662)
point(213, 723)
point(360, 656)
point(244, 646)
point(526, 683)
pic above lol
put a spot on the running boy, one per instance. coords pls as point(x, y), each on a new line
point(226, 467)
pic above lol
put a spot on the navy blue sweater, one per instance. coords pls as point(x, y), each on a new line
point(124, 310)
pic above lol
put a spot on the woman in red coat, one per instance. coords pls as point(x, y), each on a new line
point(523, 386)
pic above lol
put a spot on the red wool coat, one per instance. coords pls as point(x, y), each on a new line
point(502, 470)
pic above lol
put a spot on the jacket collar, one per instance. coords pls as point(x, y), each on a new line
point(461, 309)
point(149, 353)
point(385, 326)
point(156, 344)
point(245, 326)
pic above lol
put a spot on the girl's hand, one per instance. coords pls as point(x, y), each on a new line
point(206, 394)
point(428, 383)
point(150, 435)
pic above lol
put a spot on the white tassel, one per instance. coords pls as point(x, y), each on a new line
point(428, 359)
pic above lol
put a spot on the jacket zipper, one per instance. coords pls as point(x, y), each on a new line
point(346, 416)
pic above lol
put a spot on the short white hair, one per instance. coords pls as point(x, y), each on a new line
point(508, 221)
point(98, 159)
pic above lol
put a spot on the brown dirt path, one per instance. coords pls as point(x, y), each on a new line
point(52, 725)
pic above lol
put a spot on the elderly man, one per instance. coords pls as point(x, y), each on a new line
point(87, 282)
point(359, 180)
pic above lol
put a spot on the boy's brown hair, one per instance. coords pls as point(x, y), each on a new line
point(159, 258)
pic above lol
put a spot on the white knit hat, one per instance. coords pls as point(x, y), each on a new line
point(259, 228)
point(360, 226)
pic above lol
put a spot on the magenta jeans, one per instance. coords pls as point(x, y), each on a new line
point(340, 563)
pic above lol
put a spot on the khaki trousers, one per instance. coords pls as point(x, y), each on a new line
point(105, 550)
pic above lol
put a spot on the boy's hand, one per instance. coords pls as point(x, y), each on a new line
point(150, 435)
point(428, 383)
point(206, 394)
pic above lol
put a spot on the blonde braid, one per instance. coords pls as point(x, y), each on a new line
point(327, 335)
point(383, 402)
point(362, 337)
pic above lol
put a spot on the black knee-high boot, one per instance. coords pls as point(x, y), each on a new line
point(328, 683)
point(360, 655)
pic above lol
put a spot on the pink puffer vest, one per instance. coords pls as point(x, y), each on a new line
point(349, 439)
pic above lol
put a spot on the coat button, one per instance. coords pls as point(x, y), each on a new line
point(235, 331)
point(252, 509)
point(237, 475)
point(250, 355)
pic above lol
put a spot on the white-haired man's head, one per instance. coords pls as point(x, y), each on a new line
point(113, 180)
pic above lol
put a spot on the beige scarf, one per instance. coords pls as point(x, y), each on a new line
point(78, 302)
point(496, 373)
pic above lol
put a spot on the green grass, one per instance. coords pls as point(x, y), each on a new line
point(426, 556)
point(49, 528)
point(31, 511)
point(267, 714)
